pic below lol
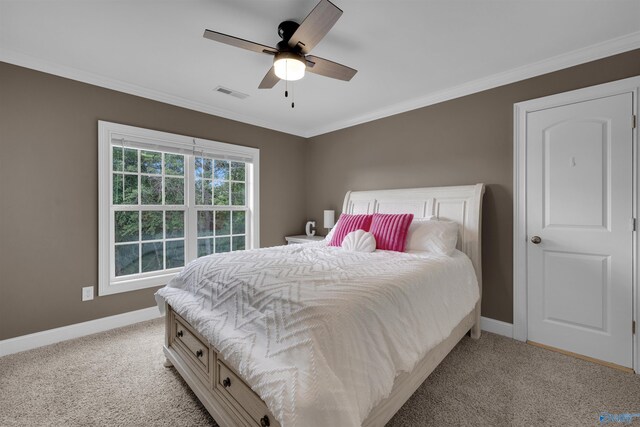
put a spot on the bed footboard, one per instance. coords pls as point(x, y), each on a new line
point(228, 399)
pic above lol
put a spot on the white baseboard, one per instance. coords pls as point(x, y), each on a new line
point(496, 326)
point(52, 336)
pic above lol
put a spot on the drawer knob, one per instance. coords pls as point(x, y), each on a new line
point(199, 353)
point(226, 382)
point(264, 421)
point(180, 333)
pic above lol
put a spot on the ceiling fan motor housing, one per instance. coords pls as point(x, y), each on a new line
point(286, 30)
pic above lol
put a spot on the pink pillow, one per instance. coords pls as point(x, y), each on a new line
point(348, 223)
point(390, 231)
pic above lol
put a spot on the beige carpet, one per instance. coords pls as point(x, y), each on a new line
point(116, 378)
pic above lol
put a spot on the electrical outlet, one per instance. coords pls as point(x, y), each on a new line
point(87, 293)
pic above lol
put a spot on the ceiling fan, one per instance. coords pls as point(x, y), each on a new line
point(290, 56)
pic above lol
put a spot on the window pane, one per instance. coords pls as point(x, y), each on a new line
point(126, 226)
point(223, 244)
point(221, 193)
point(174, 164)
point(117, 158)
point(174, 224)
point(205, 247)
point(208, 192)
point(221, 169)
point(151, 225)
point(203, 192)
point(150, 162)
point(126, 259)
point(237, 193)
point(238, 222)
point(173, 191)
point(198, 167)
point(237, 171)
point(118, 189)
point(151, 190)
point(152, 256)
point(205, 223)
point(175, 254)
point(127, 195)
point(130, 160)
point(207, 166)
point(203, 167)
point(238, 243)
point(130, 190)
point(223, 223)
point(198, 192)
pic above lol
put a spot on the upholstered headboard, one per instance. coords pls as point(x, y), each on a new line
point(462, 204)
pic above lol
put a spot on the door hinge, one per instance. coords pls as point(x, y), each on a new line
point(634, 224)
point(633, 327)
point(634, 122)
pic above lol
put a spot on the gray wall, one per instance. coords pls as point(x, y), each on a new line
point(462, 141)
point(49, 191)
point(48, 178)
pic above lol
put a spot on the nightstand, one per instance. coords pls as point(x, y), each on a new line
point(302, 238)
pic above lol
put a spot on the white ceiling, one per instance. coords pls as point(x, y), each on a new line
point(408, 53)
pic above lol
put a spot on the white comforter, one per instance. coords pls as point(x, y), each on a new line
point(320, 333)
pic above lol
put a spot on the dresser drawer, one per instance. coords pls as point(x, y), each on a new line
point(242, 397)
point(190, 344)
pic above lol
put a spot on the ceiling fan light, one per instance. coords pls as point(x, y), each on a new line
point(289, 67)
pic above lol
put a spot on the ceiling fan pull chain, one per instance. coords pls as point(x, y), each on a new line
point(293, 96)
point(286, 85)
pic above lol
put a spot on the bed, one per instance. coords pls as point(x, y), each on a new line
point(313, 335)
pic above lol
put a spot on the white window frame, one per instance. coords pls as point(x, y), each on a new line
point(156, 140)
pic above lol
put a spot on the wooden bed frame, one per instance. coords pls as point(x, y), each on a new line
point(231, 401)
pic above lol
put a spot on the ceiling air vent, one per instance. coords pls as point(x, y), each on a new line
point(231, 92)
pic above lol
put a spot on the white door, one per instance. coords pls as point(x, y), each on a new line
point(579, 226)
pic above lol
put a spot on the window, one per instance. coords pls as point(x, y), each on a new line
point(167, 199)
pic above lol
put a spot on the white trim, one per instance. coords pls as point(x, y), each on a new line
point(559, 62)
point(520, 112)
point(107, 132)
point(496, 327)
point(579, 56)
point(64, 333)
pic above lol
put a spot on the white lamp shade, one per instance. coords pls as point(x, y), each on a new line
point(329, 219)
point(289, 68)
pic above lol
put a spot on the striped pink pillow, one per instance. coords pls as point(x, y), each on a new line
point(348, 223)
point(390, 231)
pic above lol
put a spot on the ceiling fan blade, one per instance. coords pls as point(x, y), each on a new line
point(327, 68)
point(238, 42)
point(315, 26)
point(270, 80)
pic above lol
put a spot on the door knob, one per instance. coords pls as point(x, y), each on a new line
point(536, 239)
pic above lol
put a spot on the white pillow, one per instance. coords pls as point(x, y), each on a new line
point(359, 241)
point(432, 235)
point(330, 233)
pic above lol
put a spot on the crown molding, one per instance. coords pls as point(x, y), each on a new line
point(27, 61)
point(559, 62)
